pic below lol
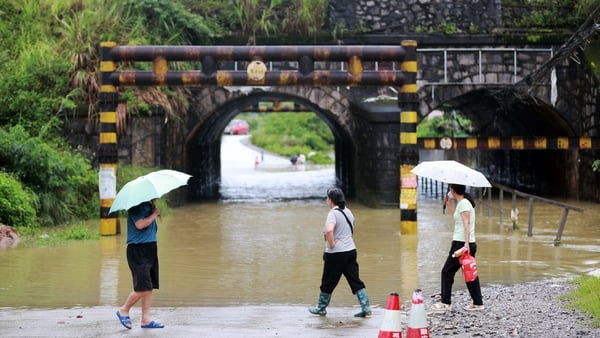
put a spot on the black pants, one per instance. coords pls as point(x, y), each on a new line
point(338, 264)
point(450, 268)
point(143, 263)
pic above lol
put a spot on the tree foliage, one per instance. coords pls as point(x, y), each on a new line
point(448, 124)
point(17, 204)
point(537, 15)
point(167, 22)
point(251, 18)
point(63, 181)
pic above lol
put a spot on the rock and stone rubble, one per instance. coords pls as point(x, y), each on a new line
point(536, 309)
point(9, 238)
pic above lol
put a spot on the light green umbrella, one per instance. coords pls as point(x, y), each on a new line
point(148, 187)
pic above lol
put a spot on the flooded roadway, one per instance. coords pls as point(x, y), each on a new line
point(261, 245)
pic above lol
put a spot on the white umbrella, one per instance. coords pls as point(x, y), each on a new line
point(451, 172)
point(148, 187)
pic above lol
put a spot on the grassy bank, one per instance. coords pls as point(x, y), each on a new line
point(586, 297)
point(58, 235)
point(288, 134)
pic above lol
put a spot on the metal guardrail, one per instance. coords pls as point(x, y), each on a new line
point(532, 198)
point(446, 52)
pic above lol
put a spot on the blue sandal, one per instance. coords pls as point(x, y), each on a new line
point(125, 320)
point(153, 325)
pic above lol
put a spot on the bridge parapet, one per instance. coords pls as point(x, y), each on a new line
point(446, 73)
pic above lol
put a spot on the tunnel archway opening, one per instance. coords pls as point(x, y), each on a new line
point(203, 145)
point(501, 112)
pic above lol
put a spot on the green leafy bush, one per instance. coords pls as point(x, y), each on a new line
point(80, 232)
point(63, 180)
point(449, 124)
point(17, 204)
point(169, 22)
point(31, 89)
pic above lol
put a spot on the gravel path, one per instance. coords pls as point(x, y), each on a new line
point(524, 310)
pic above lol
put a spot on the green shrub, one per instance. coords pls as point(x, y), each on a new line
point(449, 124)
point(64, 181)
point(320, 158)
point(448, 28)
point(31, 89)
point(170, 21)
point(80, 232)
point(17, 204)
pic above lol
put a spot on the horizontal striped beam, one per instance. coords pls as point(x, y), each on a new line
point(510, 142)
point(249, 53)
point(213, 63)
point(270, 78)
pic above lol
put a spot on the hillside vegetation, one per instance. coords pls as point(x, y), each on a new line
point(290, 134)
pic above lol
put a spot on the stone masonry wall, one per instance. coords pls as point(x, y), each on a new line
point(409, 16)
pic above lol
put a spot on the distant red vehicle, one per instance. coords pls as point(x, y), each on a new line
point(237, 127)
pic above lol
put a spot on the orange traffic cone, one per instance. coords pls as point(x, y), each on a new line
point(417, 322)
point(391, 327)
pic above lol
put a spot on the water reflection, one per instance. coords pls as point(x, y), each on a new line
point(267, 250)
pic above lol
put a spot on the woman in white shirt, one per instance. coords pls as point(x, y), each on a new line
point(463, 237)
point(340, 255)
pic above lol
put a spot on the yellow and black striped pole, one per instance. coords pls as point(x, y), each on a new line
point(107, 150)
point(409, 156)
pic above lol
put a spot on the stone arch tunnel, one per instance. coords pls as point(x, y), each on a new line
point(366, 142)
point(502, 112)
point(203, 143)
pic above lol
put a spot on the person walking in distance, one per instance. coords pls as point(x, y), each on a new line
point(463, 240)
point(340, 255)
point(142, 257)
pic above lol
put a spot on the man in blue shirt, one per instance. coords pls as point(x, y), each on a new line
point(142, 257)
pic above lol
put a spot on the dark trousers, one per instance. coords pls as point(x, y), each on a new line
point(338, 264)
point(450, 268)
point(143, 263)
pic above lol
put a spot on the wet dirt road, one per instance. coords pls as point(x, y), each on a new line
point(238, 321)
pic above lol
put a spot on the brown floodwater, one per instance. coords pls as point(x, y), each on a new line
point(262, 247)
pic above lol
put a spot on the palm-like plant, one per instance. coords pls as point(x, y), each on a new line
point(81, 29)
point(305, 17)
point(125, 22)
